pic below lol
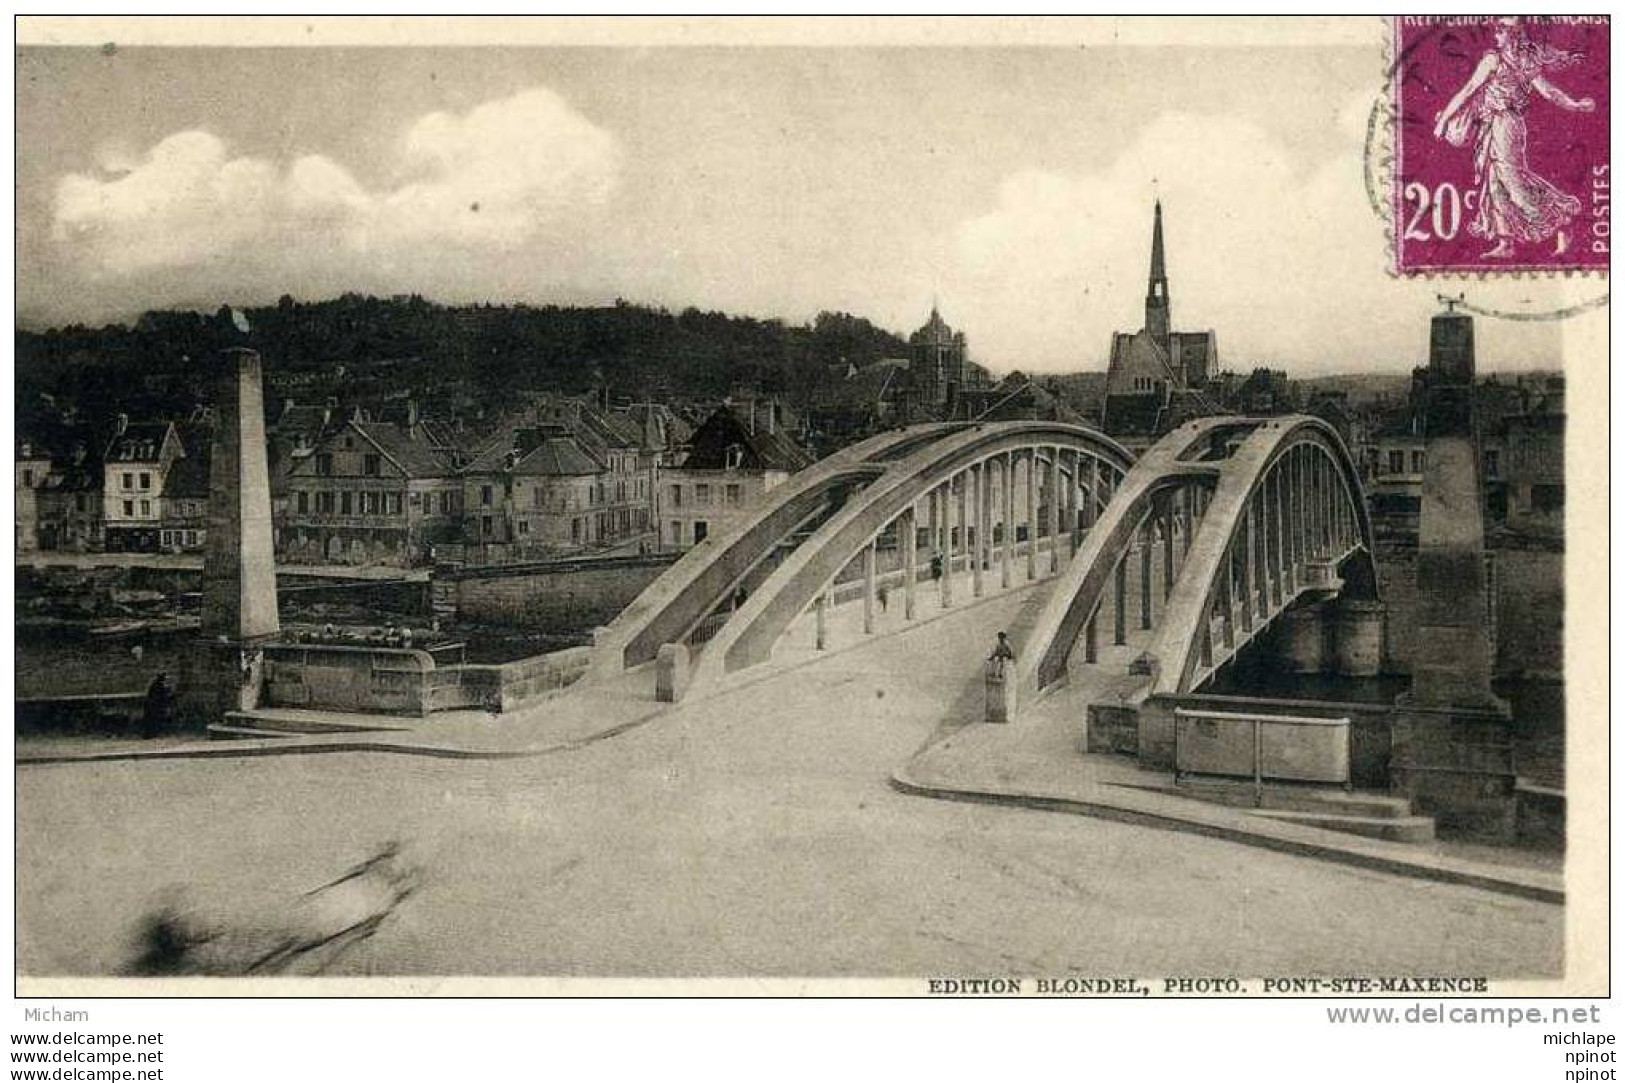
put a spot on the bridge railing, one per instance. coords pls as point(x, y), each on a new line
point(1277, 747)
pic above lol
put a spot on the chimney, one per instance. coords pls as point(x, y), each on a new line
point(123, 423)
point(603, 397)
point(411, 413)
point(753, 417)
point(772, 416)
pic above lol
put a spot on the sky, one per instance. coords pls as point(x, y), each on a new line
point(1011, 186)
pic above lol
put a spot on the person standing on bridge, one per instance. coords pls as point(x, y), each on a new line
point(1003, 653)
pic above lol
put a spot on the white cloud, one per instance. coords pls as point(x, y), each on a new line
point(491, 179)
point(1271, 253)
point(1060, 262)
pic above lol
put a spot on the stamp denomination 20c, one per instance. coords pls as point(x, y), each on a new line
point(1501, 144)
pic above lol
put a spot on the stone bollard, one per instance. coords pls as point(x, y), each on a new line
point(1001, 691)
point(671, 672)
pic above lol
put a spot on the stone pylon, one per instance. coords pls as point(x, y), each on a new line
point(239, 570)
point(1452, 750)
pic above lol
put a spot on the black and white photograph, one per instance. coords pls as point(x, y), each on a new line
point(913, 507)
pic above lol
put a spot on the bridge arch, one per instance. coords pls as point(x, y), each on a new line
point(1288, 517)
point(668, 609)
point(1249, 513)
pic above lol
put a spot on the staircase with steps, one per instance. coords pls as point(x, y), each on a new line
point(1371, 815)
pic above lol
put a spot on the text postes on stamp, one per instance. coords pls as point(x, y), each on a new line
point(1501, 144)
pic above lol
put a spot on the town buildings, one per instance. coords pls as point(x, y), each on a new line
point(369, 494)
point(532, 496)
point(937, 364)
point(1534, 479)
point(135, 466)
point(32, 469)
point(855, 402)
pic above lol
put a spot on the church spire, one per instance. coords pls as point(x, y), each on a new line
point(1156, 294)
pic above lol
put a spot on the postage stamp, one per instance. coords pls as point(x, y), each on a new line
point(1501, 144)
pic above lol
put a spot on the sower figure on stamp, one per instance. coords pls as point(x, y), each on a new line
point(1513, 203)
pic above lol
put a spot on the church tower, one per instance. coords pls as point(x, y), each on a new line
point(1157, 376)
point(1157, 321)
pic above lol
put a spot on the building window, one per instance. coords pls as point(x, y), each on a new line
point(1492, 463)
point(127, 480)
point(304, 502)
point(485, 525)
point(731, 494)
point(485, 497)
point(536, 497)
point(28, 478)
point(701, 528)
point(324, 465)
point(146, 480)
point(146, 509)
point(575, 531)
point(163, 538)
point(191, 537)
point(375, 503)
point(1396, 462)
point(677, 532)
point(372, 465)
point(1418, 459)
point(346, 502)
point(702, 494)
point(676, 496)
point(129, 509)
point(324, 503)
point(393, 502)
point(524, 526)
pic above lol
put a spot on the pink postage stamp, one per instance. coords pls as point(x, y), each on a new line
point(1500, 144)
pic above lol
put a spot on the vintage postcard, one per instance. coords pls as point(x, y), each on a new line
point(921, 506)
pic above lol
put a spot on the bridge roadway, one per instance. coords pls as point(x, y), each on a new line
point(750, 833)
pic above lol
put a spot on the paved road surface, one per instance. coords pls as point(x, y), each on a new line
point(750, 835)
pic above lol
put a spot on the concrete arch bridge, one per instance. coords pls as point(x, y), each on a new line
point(917, 520)
point(1157, 571)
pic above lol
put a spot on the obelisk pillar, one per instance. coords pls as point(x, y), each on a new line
point(225, 673)
point(1452, 752)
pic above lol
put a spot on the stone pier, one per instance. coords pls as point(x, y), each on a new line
point(225, 671)
point(1452, 750)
